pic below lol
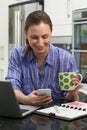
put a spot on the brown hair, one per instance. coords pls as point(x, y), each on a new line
point(36, 17)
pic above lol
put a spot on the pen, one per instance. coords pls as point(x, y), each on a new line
point(56, 108)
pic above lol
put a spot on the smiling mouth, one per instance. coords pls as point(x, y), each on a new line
point(40, 49)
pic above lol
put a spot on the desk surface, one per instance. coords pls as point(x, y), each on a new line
point(38, 122)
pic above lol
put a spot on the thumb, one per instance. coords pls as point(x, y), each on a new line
point(34, 92)
point(78, 87)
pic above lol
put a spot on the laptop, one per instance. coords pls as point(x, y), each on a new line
point(9, 106)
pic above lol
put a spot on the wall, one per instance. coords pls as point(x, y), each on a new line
point(79, 4)
point(60, 13)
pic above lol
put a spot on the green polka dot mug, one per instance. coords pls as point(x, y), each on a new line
point(65, 80)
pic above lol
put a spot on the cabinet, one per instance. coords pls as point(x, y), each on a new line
point(60, 13)
point(3, 71)
point(4, 15)
point(3, 32)
point(76, 4)
point(3, 39)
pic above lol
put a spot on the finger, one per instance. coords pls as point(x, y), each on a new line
point(42, 97)
point(75, 80)
point(78, 87)
point(45, 102)
point(34, 92)
point(45, 99)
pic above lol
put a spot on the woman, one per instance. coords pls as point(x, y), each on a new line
point(38, 64)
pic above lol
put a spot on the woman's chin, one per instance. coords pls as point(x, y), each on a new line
point(41, 51)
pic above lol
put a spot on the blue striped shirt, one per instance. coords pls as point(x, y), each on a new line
point(26, 76)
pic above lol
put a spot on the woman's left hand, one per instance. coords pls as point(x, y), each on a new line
point(73, 94)
point(77, 82)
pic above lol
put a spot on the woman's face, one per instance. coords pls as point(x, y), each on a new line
point(39, 37)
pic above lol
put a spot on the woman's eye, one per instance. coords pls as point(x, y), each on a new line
point(44, 37)
point(34, 37)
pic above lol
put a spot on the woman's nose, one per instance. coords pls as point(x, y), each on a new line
point(40, 41)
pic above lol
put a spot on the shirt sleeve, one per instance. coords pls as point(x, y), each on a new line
point(73, 66)
point(14, 70)
point(67, 62)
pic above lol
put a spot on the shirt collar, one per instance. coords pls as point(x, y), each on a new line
point(30, 56)
point(50, 57)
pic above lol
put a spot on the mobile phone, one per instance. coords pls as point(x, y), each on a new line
point(44, 91)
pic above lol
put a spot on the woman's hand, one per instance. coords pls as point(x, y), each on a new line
point(73, 94)
point(77, 82)
point(34, 99)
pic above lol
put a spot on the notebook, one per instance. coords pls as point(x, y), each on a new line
point(68, 111)
point(9, 107)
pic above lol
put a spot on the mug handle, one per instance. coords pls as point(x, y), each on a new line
point(81, 78)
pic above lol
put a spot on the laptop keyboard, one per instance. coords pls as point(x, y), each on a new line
point(24, 110)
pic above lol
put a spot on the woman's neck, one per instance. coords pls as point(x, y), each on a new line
point(41, 56)
point(41, 59)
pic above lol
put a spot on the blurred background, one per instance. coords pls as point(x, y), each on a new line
point(69, 19)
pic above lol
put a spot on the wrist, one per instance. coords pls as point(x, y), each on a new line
point(26, 100)
point(72, 96)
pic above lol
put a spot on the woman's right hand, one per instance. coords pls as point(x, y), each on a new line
point(34, 99)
